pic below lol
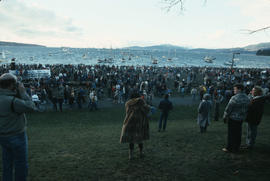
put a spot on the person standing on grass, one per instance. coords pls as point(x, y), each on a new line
point(235, 113)
point(254, 115)
point(60, 96)
point(136, 124)
point(165, 106)
point(204, 113)
point(13, 137)
point(218, 98)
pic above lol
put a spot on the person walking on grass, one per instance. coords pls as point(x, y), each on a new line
point(254, 115)
point(204, 113)
point(235, 113)
point(14, 102)
point(135, 128)
point(165, 106)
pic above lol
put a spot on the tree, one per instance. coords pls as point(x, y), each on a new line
point(257, 30)
point(174, 3)
point(170, 4)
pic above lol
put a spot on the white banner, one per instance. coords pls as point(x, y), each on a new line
point(29, 74)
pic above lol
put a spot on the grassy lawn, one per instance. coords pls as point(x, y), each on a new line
point(82, 145)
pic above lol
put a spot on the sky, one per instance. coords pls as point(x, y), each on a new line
point(123, 23)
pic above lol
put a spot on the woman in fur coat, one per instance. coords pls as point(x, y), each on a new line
point(136, 125)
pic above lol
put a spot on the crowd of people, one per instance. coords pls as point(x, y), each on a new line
point(86, 84)
point(70, 84)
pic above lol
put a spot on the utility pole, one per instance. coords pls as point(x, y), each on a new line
point(234, 53)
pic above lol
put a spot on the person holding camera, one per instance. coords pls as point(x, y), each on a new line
point(14, 102)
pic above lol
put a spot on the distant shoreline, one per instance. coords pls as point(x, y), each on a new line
point(146, 66)
point(3, 43)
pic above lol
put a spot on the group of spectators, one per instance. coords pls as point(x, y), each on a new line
point(75, 83)
point(240, 108)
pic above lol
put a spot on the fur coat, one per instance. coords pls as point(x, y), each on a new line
point(136, 124)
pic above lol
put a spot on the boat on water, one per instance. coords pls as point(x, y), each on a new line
point(109, 60)
point(209, 59)
point(154, 61)
point(99, 61)
point(64, 49)
point(230, 63)
point(84, 56)
point(123, 60)
point(169, 59)
point(3, 55)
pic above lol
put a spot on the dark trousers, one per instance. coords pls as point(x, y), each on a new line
point(234, 135)
point(203, 129)
point(14, 157)
point(216, 112)
point(163, 118)
point(59, 101)
point(131, 146)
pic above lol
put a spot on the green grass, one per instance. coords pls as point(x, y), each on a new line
point(82, 145)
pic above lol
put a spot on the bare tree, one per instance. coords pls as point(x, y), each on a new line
point(180, 4)
point(170, 4)
point(174, 3)
point(256, 30)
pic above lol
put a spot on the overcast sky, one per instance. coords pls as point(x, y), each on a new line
point(121, 23)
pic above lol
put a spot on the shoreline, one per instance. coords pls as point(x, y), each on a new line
point(136, 66)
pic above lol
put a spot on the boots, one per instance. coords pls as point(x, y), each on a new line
point(130, 154)
point(141, 150)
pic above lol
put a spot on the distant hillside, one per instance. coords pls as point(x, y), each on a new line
point(256, 47)
point(3, 43)
point(163, 47)
point(225, 50)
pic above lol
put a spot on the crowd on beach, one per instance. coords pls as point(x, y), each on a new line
point(86, 84)
point(136, 86)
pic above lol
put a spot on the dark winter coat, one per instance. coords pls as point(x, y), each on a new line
point(255, 110)
point(165, 105)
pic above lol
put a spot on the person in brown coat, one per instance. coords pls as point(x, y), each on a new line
point(136, 124)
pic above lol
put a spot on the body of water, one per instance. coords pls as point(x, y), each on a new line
point(179, 58)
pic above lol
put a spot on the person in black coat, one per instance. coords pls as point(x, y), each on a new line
point(165, 106)
point(254, 115)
